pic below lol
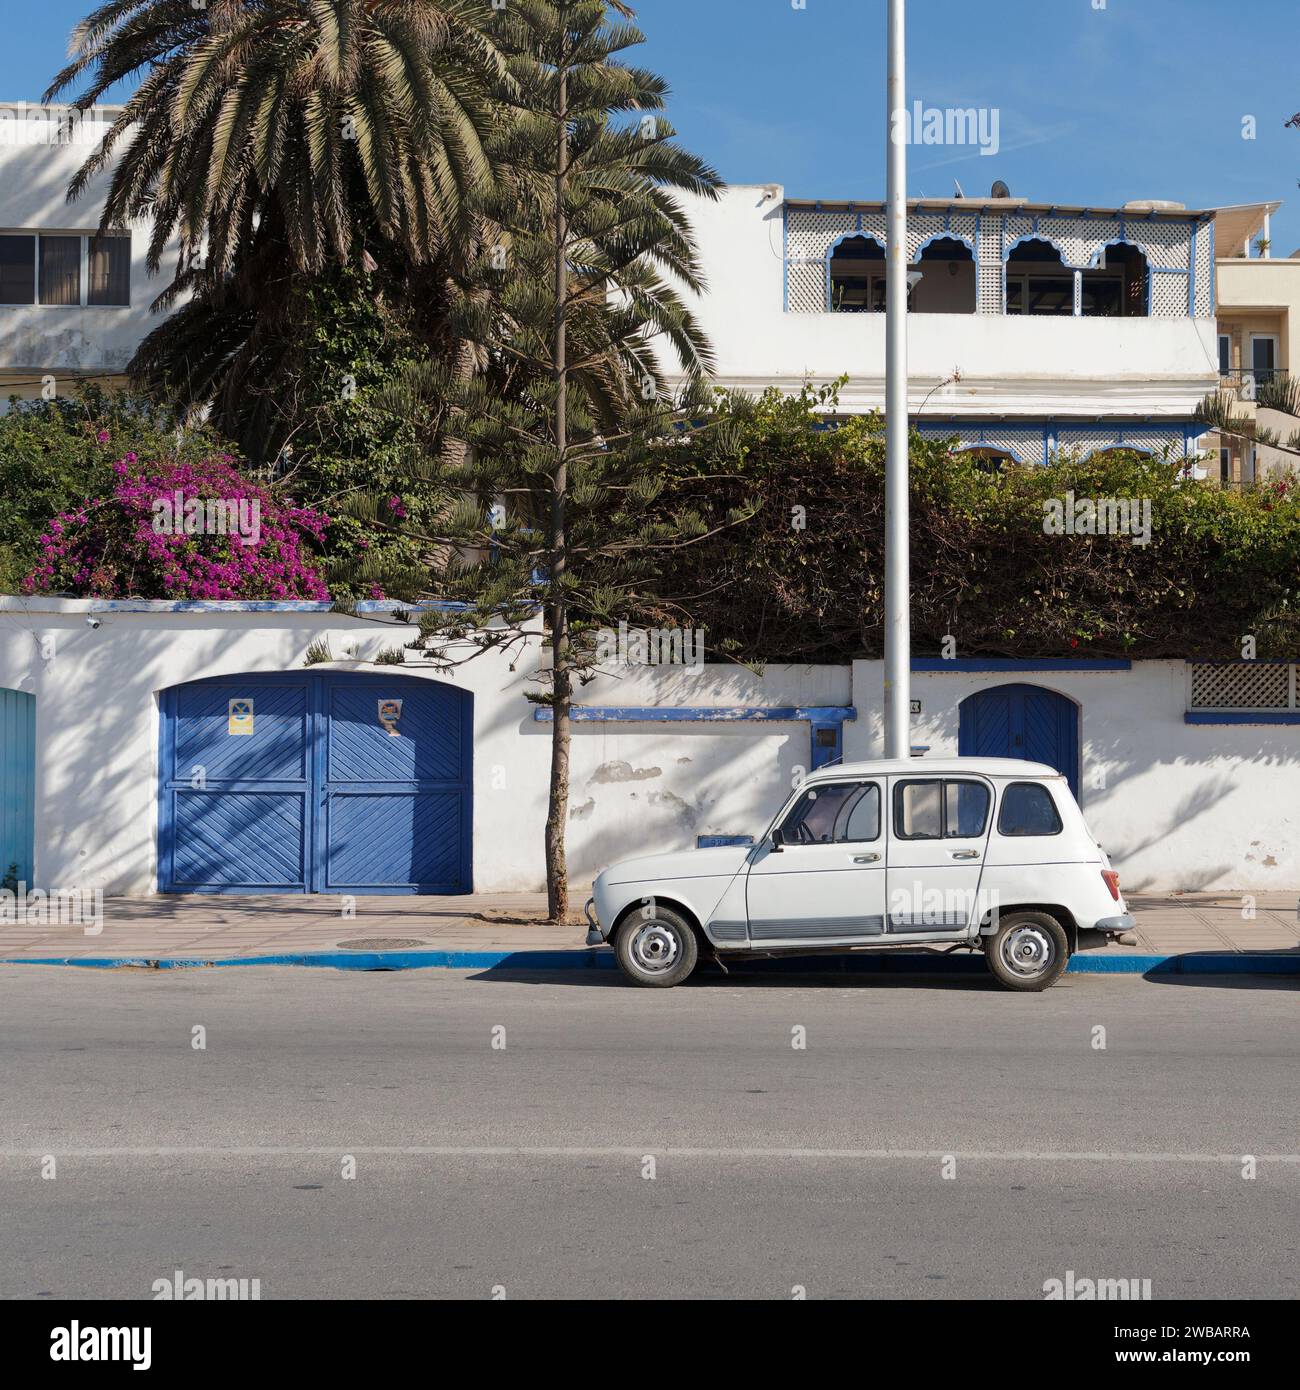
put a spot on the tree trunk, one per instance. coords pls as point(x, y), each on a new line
point(557, 871)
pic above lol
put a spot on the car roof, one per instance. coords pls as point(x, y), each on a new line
point(932, 767)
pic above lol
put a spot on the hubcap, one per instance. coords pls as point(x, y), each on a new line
point(1028, 950)
point(654, 948)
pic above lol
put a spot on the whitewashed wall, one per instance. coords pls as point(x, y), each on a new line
point(635, 788)
point(1177, 806)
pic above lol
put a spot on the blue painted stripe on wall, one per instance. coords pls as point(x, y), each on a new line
point(997, 663)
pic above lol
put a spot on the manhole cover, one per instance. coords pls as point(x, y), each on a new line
point(381, 943)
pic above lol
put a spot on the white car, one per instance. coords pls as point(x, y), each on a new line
point(988, 853)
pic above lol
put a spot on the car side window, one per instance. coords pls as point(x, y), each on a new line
point(834, 813)
point(941, 809)
point(1028, 809)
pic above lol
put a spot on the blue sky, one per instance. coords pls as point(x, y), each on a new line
point(1138, 99)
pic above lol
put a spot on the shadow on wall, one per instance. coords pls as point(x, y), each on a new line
point(1142, 822)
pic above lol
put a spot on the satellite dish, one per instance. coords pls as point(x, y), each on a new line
point(999, 190)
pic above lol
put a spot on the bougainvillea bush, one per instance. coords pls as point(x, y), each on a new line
point(182, 529)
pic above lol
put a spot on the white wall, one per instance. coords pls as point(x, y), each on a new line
point(1041, 367)
point(1177, 806)
point(636, 788)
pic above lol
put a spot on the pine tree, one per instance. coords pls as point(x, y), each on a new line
point(574, 304)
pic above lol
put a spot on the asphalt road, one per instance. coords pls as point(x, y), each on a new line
point(523, 1167)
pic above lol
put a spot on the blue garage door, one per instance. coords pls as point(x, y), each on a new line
point(17, 784)
point(1022, 721)
point(316, 782)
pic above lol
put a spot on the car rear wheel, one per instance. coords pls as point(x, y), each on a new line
point(658, 950)
point(1028, 951)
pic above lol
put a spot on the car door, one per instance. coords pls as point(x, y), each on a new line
point(938, 840)
point(826, 882)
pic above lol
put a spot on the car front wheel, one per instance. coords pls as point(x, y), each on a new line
point(659, 950)
point(1028, 951)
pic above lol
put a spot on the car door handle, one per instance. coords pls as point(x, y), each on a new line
point(963, 854)
point(865, 858)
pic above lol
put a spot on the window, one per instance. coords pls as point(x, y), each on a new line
point(1103, 296)
point(65, 269)
point(940, 810)
point(1028, 809)
point(110, 270)
point(1040, 294)
point(1225, 354)
point(1264, 350)
point(1038, 281)
point(60, 270)
point(17, 270)
point(834, 813)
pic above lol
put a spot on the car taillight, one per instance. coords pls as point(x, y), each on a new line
point(1112, 882)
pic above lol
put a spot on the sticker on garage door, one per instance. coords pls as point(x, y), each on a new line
point(390, 711)
point(240, 717)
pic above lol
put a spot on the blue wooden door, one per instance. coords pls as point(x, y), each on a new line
point(17, 785)
point(1022, 721)
point(315, 782)
point(395, 786)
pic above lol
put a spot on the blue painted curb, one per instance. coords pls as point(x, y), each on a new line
point(1086, 963)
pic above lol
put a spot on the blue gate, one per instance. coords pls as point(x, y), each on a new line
point(316, 782)
point(1022, 721)
point(17, 784)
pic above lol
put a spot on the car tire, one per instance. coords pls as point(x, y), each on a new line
point(1028, 952)
point(657, 950)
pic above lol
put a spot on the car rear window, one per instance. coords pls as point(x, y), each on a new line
point(1028, 809)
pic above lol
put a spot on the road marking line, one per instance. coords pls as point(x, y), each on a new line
point(627, 1151)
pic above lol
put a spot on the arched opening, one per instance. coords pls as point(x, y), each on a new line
point(947, 284)
point(1117, 451)
point(857, 267)
point(986, 458)
point(1117, 286)
point(1038, 281)
point(1022, 721)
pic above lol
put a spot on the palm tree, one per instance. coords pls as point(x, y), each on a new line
point(324, 113)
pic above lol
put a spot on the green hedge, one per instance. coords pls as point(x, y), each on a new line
point(1220, 566)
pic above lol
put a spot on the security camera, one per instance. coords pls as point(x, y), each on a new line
point(92, 621)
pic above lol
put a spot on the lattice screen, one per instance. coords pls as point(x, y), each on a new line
point(1084, 439)
point(806, 283)
point(1167, 246)
point(1157, 441)
point(1246, 685)
point(991, 294)
point(1168, 296)
point(1204, 274)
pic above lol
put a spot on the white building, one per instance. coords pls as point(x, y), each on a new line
point(71, 306)
point(1035, 327)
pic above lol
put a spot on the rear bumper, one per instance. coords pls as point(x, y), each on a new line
point(1112, 926)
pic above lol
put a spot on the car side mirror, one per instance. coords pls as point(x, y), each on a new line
point(778, 841)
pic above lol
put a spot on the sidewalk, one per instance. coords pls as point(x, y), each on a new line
point(1200, 932)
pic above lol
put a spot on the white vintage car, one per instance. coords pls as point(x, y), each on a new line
point(987, 853)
